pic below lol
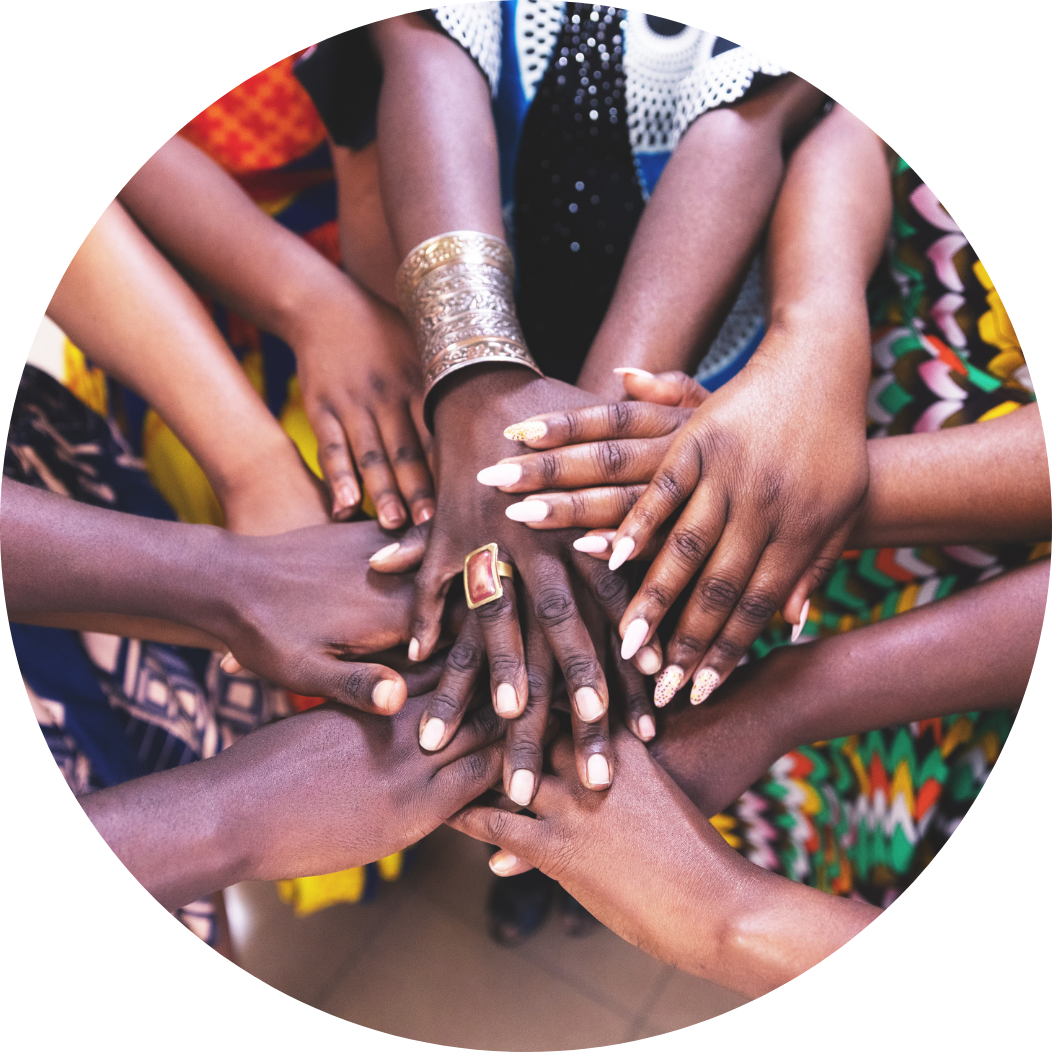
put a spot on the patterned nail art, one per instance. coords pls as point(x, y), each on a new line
point(667, 684)
point(527, 431)
point(705, 682)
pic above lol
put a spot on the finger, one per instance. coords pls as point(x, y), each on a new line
point(334, 459)
point(522, 836)
point(406, 457)
point(673, 388)
point(630, 689)
point(483, 727)
point(736, 596)
point(796, 607)
point(458, 783)
point(230, 664)
point(502, 635)
point(586, 508)
point(429, 596)
point(505, 864)
point(524, 750)
point(690, 541)
point(596, 423)
point(377, 477)
point(446, 707)
point(556, 611)
point(593, 752)
point(405, 554)
point(370, 688)
point(673, 484)
point(574, 467)
point(598, 544)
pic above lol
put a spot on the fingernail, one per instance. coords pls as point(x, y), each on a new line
point(502, 863)
point(383, 695)
point(647, 730)
point(500, 475)
point(588, 705)
point(593, 545)
point(345, 495)
point(527, 511)
point(414, 649)
point(527, 431)
point(705, 682)
point(798, 628)
point(635, 634)
point(505, 702)
point(424, 515)
point(391, 517)
point(622, 550)
point(667, 684)
point(432, 734)
point(598, 769)
point(648, 661)
point(384, 553)
point(230, 664)
point(521, 788)
point(631, 370)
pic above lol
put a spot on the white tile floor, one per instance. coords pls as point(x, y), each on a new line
point(417, 962)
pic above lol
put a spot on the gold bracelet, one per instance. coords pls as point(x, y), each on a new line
point(457, 290)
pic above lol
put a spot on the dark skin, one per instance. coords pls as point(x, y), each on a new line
point(439, 172)
point(316, 793)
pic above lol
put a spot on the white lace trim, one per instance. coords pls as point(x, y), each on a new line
point(537, 27)
point(477, 29)
point(718, 81)
point(655, 66)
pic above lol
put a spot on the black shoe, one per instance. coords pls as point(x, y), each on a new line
point(517, 906)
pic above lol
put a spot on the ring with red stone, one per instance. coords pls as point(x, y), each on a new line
point(482, 573)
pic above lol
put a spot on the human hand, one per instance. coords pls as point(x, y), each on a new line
point(685, 896)
point(363, 395)
point(471, 417)
point(766, 509)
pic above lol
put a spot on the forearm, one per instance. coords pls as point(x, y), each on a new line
point(981, 483)
point(138, 566)
point(232, 249)
point(174, 831)
point(439, 167)
point(711, 204)
point(124, 305)
point(129, 626)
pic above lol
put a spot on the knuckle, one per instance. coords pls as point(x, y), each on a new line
point(757, 608)
point(668, 486)
point(408, 454)
point(619, 418)
point(491, 613)
point(728, 650)
point(371, 458)
point(610, 588)
point(688, 643)
point(657, 595)
point(554, 606)
point(580, 669)
point(525, 754)
point(465, 657)
point(540, 681)
point(504, 668)
point(719, 592)
point(444, 705)
point(611, 458)
point(550, 467)
point(578, 506)
point(357, 682)
point(688, 544)
point(474, 767)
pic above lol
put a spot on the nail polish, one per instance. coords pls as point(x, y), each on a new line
point(667, 684)
point(414, 649)
point(799, 627)
point(588, 705)
point(705, 682)
point(505, 701)
point(635, 634)
point(521, 788)
point(631, 370)
point(598, 769)
point(622, 550)
point(432, 733)
point(384, 553)
point(527, 511)
point(593, 545)
point(648, 661)
point(500, 475)
point(527, 431)
point(424, 515)
point(647, 730)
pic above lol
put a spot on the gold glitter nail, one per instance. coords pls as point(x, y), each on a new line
point(705, 682)
point(527, 431)
point(667, 684)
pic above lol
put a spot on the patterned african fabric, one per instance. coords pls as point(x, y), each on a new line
point(863, 815)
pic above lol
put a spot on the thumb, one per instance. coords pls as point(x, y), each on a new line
point(517, 834)
point(672, 388)
point(370, 688)
point(405, 554)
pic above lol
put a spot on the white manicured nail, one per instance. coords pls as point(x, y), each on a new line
point(527, 511)
point(500, 475)
point(798, 628)
point(635, 634)
point(521, 788)
point(598, 770)
point(432, 733)
point(505, 702)
point(384, 553)
point(414, 649)
point(622, 550)
point(593, 545)
point(631, 370)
